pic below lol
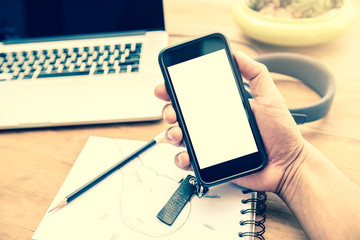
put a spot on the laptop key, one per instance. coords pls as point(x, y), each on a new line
point(29, 76)
point(132, 57)
point(111, 70)
point(128, 62)
point(63, 74)
point(5, 76)
point(99, 71)
point(135, 68)
point(123, 69)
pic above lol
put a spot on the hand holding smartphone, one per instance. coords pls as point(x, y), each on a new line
point(207, 93)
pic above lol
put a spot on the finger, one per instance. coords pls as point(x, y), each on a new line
point(260, 81)
point(251, 102)
point(182, 160)
point(169, 114)
point(160, 92)
point(250, 181)
point(174, 136)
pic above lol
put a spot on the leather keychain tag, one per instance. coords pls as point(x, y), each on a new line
point(188, 187)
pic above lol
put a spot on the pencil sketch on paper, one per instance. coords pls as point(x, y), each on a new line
point(143, 193)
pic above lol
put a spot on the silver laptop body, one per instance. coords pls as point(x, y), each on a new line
point(93, 62)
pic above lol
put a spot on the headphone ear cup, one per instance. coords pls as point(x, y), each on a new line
point(309, 71)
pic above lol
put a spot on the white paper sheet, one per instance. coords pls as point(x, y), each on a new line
point(125, 204)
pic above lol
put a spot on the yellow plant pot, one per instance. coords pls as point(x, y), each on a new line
point(292, 31)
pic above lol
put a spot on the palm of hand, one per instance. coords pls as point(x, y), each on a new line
point(282, 140)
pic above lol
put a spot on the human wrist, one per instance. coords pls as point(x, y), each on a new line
point(293, 172)
point(312, 187)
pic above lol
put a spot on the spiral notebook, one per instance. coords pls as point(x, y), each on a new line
point(125, 204)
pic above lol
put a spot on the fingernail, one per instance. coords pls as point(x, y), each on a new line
point(169, 134)
point(179, 160)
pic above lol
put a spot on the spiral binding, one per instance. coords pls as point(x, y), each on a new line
point(259, 226)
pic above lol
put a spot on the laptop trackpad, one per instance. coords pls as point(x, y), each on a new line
point(83, 103)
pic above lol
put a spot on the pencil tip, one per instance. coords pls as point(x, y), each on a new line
point(59, 205)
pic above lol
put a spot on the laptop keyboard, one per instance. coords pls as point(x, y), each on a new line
point(92, 60)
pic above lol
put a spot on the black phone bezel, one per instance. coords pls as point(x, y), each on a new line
point(233, 168)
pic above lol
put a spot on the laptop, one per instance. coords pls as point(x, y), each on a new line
point(75, 62)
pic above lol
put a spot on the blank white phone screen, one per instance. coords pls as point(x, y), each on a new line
point(212, 109)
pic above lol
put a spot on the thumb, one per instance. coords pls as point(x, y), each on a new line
point(260, 81)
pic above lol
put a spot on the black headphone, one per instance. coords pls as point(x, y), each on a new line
point(312, 73)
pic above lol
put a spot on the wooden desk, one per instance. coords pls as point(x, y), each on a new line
point(34, 163)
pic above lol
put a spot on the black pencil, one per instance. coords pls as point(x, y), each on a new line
point(106, 173)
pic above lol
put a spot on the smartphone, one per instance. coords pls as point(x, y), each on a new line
point(207, 93)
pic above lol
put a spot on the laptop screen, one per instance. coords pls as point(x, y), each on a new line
point(26, 19)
